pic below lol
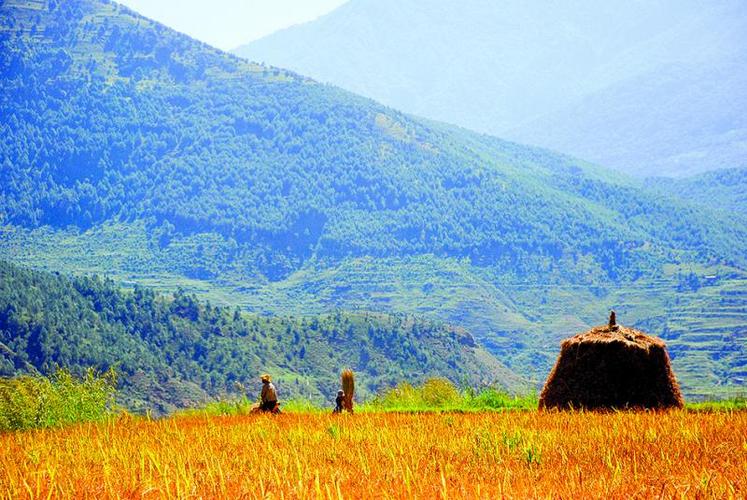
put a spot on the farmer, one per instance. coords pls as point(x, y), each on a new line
point(269, 396)
point(338, 401)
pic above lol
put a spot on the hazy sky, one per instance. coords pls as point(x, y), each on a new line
point(227, 24)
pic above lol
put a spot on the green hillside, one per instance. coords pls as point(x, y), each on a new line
point(136, 152)
point(175, 350)
point(113, 116)
point(724, 190)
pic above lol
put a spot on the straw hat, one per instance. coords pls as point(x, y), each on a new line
point(266, 378)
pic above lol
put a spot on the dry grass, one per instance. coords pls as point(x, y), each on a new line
point(514, 454)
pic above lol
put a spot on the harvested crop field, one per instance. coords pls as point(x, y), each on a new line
point(488, 455)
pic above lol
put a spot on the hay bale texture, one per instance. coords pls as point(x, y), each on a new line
point(348, 387)
point(612, 366)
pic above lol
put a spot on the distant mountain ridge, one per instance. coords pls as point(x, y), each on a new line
point(132, 151)
point(650, 88)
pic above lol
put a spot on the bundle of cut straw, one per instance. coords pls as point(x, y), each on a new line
point(348, 387)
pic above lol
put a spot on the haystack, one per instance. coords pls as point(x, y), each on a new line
point(348, 387)
point(612, 366)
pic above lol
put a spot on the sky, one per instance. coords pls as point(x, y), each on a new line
point(226, 24)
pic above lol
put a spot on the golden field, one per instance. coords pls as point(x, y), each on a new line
point(385, 455)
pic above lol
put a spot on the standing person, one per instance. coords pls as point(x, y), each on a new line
point(269, 396)
point(339, 401)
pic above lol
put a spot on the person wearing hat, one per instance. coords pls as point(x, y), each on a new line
point(269, 396)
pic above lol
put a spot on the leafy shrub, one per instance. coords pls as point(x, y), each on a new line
point(491, 398)
point(441, 394)
point(737, 403)
point(29, 402)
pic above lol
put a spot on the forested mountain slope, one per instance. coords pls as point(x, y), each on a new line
point(113, 116)
point(724, 190)
point(131, 150)
point(651, 88)
point(175, 351)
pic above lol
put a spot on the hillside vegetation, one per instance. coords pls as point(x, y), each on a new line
point(724, 190)
point(134, 151)
point(113, 116)
point(176, 351)
point(36, 401)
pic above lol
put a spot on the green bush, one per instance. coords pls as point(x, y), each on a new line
point(29, 402)
point(736, 403)
point(494, 399)
point(439, 394)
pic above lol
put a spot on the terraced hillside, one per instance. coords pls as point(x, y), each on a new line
point(704, 325)
point(700, 311)
point(172, 351)
point(133, 151)
point(712, 330)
